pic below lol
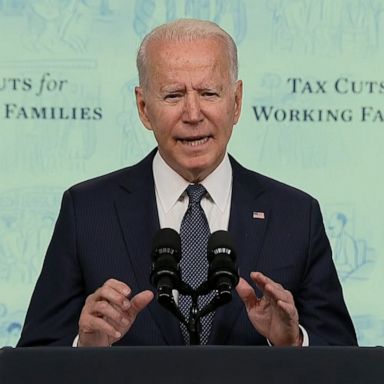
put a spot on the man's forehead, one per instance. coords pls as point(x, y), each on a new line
point(183, 85)
point(195, 77)
point(164, 48)
point(198, 55)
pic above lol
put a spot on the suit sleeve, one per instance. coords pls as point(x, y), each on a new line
point(56, 303)
point(320, 302)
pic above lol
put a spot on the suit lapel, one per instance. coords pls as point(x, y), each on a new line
point(247, 226)
point(137, 213)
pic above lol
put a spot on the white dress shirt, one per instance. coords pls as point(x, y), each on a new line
point(172, 199)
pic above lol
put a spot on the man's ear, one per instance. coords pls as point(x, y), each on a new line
point(238, 100)
point(142, 107)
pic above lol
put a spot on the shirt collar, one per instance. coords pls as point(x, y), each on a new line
point(170, 186)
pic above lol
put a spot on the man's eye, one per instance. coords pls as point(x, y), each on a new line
point(173, 96)
point(209, 94)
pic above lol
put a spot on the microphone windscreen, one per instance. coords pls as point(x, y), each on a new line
point(167, 238)
point(220, 239)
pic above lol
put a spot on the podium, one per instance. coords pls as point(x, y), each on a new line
point(192, 365)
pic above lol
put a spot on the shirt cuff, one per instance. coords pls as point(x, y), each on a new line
point(305, 336)
point(74, 344)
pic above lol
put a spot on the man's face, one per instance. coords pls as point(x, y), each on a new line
point(190, 103)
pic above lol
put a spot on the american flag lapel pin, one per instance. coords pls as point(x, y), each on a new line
point(258, 215)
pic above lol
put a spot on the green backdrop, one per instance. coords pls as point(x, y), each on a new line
point(313, 117)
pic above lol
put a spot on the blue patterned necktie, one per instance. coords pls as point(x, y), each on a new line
point(194, 233)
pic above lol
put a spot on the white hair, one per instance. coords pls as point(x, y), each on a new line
point(186, 30)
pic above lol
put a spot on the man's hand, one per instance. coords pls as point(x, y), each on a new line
point(108, 314)
point(274, 315)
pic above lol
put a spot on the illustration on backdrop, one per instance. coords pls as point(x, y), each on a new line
point(353, 257)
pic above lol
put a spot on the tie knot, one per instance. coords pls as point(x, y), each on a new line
point(195, 193)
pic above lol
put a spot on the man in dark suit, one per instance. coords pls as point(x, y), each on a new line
point(95, 277)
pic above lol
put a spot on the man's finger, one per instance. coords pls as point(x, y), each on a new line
point(247, 293)
point(140, 301)
point(278, 293)
point(111, 295)
point(261, 280)
point(288, 309)
point(118, 286)
point(98, 324)
point(272, 290)
point(105, 309)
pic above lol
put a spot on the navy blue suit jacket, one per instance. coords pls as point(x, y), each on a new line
point(105, 229)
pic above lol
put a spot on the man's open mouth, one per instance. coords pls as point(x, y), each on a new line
point(194, 142)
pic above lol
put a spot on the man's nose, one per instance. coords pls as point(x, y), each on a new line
point(192, 113)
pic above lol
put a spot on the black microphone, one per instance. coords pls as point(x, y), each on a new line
point(165, 270)
point(222, 272)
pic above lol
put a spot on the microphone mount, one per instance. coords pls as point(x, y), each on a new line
point(166, 277)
